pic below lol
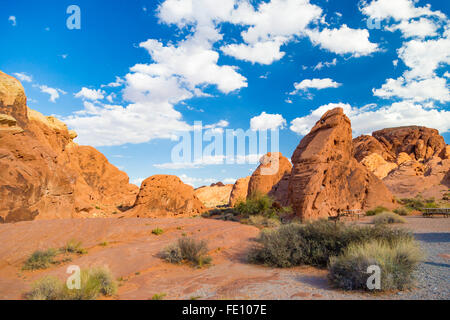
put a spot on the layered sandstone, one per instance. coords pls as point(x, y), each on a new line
point(420, 143)
point(44, 174)
point(326, 178)
point(271, 171)
point(239, 191)
point(413, 178)
point(165, 195)
point(216, 195)
point(411, 160)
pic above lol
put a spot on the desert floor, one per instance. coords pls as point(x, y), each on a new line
point(132, 254)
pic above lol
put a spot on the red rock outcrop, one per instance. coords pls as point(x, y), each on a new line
point(364, 146)
point(44, 174)
point(412, 178)
point(273, 167)
point(215, 195)
point(326, 178)
point(420, 143)
point(239, 191)
point(412, 159)
point(165, 195)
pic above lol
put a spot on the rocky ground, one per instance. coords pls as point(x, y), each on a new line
point(132, 254)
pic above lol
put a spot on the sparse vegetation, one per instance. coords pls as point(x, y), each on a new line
point(376, 211)
point(418, 202)
point(261, 205)
point(314, 243)
point(397, 261)
point(262, 221)
point(402, 211)
point(73, 246)
point(41, 259)
point(158, 296)
point(94, 282)
point(188, 249)
point(157, 231)
point(103, 244)
point(387, 218)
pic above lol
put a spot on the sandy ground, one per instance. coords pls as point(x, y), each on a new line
point(132, 254)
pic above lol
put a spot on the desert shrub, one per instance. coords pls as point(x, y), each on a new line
point(263, 222)
point(47, 288)
point(376, 211)
point(387, 218)
point(73, 246)
point(257, 204)
point(105, 280)
point(188, 249)
point(94, 282)
point(418, 203)
point(397, 262)
point(41, 259)
point(402, 211)
point(314, 243)
point(172, 254)
point(157, 231)
point(158, 296)
point(264, 205)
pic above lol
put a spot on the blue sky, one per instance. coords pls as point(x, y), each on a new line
point(138, 73)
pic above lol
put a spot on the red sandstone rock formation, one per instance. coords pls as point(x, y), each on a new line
point(239, 191)
point(44, 174)
point(215, 195)
point(165, 195)
point(420, 143)
point(326, 178)
point(412, 178)
point(273, 167)
point(414, 160)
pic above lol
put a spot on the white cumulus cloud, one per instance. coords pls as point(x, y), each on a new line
point(267, 121)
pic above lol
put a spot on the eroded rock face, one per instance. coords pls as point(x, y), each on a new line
point(364, 146)
point(44, 174)
point(326, 178)
point(215, 195)
point(273, 167)
point(165, 195)
point(412, 178)
point(239, 191)
point(420, 143)
point(376, 164)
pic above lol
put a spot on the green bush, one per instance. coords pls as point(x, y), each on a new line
point(47, 288)
point(387, 218)
point(188, 249)
point(157, 231)
point(94, 282)
point(376, 211)
point(261, 221)
point(158, 296)
point(41, 259)
point(73, 246)
point(418, 203)
point(261, 205)
point(402, 211)
point(397, 262)
point(314, 243)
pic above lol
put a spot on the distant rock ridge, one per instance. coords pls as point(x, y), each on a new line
point(218, 194)
point(44, 174)
point(165, 195)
